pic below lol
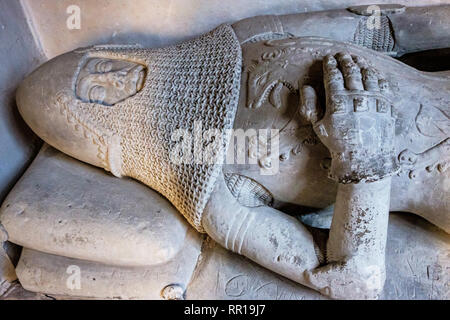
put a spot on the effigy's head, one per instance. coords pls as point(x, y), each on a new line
point(71, 100)
point(127, 109)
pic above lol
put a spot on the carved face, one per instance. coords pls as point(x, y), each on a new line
point(108, 81)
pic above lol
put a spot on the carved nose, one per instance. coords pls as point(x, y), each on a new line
point(37, 101)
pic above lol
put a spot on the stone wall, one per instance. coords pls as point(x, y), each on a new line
point(160, 22)
point(19, 55)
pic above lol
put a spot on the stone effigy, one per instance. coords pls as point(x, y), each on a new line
point(71, 216)
point(376, 127)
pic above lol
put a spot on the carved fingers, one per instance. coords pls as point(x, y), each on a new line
point(352, 85)
point(350, 72)
point(333, 78)
point(357, 126)
point(370, 77)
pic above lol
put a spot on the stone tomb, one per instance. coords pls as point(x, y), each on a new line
point(126, 242)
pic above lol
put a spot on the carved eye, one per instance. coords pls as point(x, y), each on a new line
point(97, 93)
point(104, 66)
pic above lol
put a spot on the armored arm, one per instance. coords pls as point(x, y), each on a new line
point(358, 129)
point(267, 236)
point(393, 29)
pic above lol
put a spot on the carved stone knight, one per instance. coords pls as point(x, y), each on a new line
point(349, 126)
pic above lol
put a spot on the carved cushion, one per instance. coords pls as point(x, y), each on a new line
point(57, 275)
point(417, 258)
point(62, 206)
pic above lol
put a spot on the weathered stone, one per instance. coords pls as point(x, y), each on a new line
point(55, 275)
point(417, 260)
point(159, 23)
point(3, 234)
point(417, 257)
point(222, 274)
point(7, 272)
point(381, 122)
point(64, 207)
point(17, 292)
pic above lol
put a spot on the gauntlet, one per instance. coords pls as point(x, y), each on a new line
point(357, 126)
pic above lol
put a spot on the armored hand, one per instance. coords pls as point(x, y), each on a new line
point(357, 126)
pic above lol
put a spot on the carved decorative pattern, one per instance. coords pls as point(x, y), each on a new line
point(247, 191)
point(145, 123)
point(378, 38)
point(437, 157)
point(432, 121)
point(266, 77)
point(274, 70)
point(63, 101)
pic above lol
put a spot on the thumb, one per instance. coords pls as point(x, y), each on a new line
point(309, 105)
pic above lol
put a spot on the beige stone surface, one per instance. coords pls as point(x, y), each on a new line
point(7, 272)
point(356, 246)
point(222, 274)
point(418, 260)
point(159, 22)
point(50, 274)
point(65, 207)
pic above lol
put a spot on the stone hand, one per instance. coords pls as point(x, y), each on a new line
point(357, 125)
point(355, 251)
point(347, 280)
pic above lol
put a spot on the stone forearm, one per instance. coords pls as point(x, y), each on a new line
point(355, 266)
point(359, 227)
point(265, 235)
point(344, 25)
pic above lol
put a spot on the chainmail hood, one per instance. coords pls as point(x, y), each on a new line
point(196, 81)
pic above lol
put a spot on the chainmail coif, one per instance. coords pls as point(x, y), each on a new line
point(197, 80)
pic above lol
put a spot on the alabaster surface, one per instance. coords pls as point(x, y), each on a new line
point(254, 132)
point(416, 256)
